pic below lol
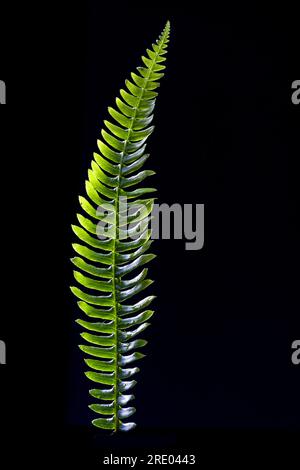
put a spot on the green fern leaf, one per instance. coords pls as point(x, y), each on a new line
point(104, 263)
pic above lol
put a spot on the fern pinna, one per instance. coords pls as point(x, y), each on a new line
point(109, 259)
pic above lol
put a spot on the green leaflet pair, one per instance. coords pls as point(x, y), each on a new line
point(105, 265)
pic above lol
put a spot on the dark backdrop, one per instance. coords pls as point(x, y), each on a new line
point(218, 367)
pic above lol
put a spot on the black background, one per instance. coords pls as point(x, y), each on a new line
point(218, 373)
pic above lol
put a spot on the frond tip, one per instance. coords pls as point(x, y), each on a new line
point(104, 264)
point(167, 27)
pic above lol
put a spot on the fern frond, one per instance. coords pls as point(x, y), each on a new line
point(104, 264)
